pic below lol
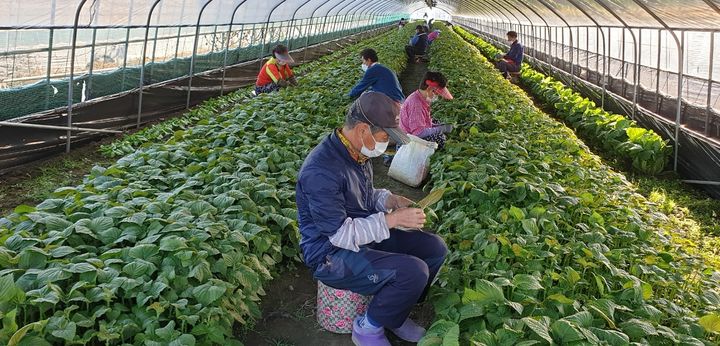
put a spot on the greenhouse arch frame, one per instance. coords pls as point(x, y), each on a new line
point(632, 56)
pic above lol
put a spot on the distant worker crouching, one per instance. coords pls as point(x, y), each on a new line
point(276, 73)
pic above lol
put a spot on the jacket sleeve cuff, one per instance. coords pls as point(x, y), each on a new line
point(381, 197)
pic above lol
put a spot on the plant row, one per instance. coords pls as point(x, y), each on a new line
point(643, 149)
point(677, 200)
point(172, 244)
point(549, 245)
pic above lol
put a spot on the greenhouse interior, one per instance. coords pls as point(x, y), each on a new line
point(349, 172)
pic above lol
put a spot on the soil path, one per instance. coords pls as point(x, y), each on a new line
point(288, 309)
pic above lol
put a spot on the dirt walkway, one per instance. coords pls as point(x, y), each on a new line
point(288, 309)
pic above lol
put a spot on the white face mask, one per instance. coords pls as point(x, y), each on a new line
point(364, 67)
point(433, 96)
point(380, 148)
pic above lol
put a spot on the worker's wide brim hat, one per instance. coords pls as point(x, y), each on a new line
point(444, 93)
point(286, 58)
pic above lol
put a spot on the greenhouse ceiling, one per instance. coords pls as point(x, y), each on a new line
point(676, 14)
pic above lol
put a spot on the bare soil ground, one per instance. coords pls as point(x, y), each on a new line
point(288, 310)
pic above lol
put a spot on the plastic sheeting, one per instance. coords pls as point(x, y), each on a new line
point(698, 156)
point(680, 14)
point(120, 13)
point(677, 14)
point(119, 111)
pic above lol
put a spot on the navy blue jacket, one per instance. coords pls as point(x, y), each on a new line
point(516, 53)
point(331, 187)
point(420, 42)
point(381, 79)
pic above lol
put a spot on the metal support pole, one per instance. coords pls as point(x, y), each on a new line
point(357, 17)
point(292, 21)
point(53, 127)
point(678, 114)
point(265, 34)
point(572, 64)
point(227, 45)
point(344, 20)
point(635, 42)
point(587, 50)
point(125, 55)
point(681, 65)
point(177, 42)
point(72, 72)
point(142, 64)
point(212, 47)
point(48, 70)
point(353, 20)
point(657, 78)
point(597, 52)
point(701, 182)
point(623, 65)
point(154, 49)
point(88, 88)
point(711, 64)
point(587, 39)
point(192, 58)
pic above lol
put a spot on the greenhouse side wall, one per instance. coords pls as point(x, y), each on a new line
point(251, 41)
point(164, 93)
point(698, 155)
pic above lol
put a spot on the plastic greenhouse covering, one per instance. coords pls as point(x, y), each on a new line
point(655, 60)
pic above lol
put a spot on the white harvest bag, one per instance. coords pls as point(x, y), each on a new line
point(411, 164)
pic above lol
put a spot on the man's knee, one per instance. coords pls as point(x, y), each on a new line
point(412, 271)
point(502, 66)
point(437, 244)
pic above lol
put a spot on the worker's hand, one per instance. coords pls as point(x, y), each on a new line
point(395, 202)
point(283, 83)
point(406, 217)
point(446, 128)
point(293, 81)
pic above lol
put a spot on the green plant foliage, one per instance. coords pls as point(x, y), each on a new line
point(547, 244)
point(644, 149)
point(173, 243)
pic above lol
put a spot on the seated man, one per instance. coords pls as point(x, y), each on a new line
point(418, 44)
point(276, 72)
point(415, 116)
point(512, 61)
point(378, 78)
point(349, 230)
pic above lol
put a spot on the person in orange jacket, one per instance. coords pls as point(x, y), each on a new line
point(276, 73)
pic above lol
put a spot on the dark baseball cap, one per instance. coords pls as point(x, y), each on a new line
point(378, 110)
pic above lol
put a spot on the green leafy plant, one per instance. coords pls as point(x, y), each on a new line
point(173, 243)
point(547, 244)
point(645, 150)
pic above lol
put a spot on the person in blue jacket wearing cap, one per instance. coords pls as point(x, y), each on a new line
point(350, 236)
point(377, 77)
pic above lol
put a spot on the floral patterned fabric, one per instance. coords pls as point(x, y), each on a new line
point(336, 309)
